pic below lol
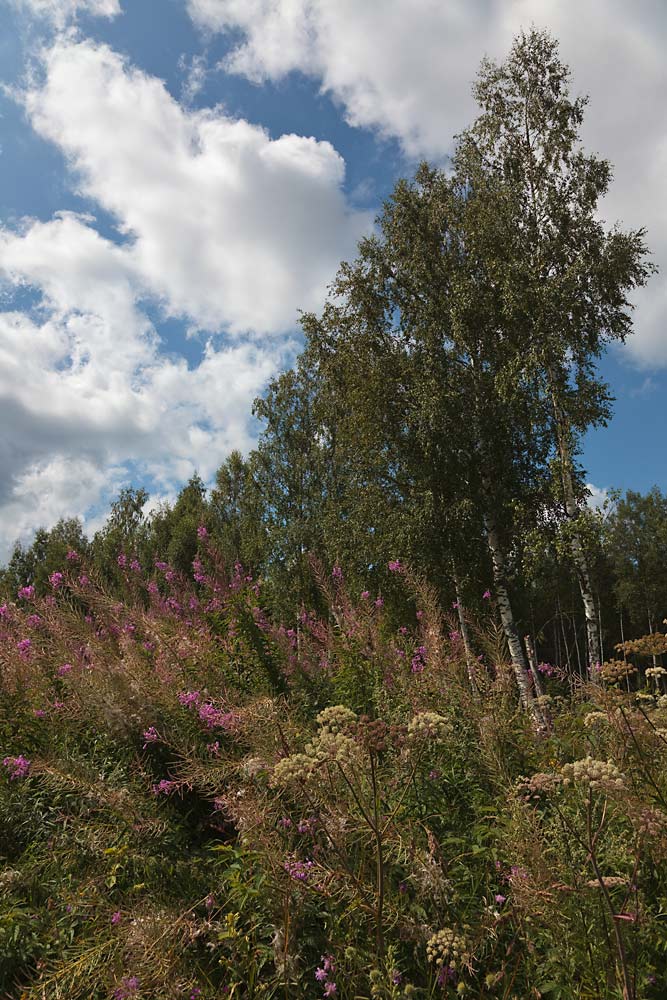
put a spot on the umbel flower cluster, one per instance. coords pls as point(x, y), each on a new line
point(615, 671)
point(448, 947)
point(598, 774)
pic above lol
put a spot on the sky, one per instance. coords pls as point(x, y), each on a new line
point(178, 178)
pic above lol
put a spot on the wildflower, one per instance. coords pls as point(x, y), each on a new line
point(292, 770)
point(39, 713)
point(18, 767)
point(27, 593)
point(128, 987)
point(330, 746)
point(214, 748)
point(34, 621)
point(447, 946)
point(336, 718)
point(418, 660)
point(202, 531)
point(84, 580)
point(209, 902)
point(486, 596)
point(379, 602)
point(321, 975)
point(162, 566)
point(419, 615)
point(116, 917)
point(330, 989)
point(4, 610)
point(164, 787)
point(396, 566)
point(591, 773)
point(337, 572)
point(456, 604)
point(428, 727)
point(365, 594)
point(500, 899)
point(65, 669)
point(135, 566)
point(122, 560)
point(298, 870)
point(24, 647)
point(188, 698)
point(214, 717)
point(285, 822)
point(150, 736)
point(72, 556)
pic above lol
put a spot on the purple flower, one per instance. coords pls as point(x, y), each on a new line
point(34, 621)
point(285, 822)
point(500, 899)
point(418, 660)
point(128, 987)
point(135, 566)
point(337, 573)
point(379, 602)
point(27, 593)
point(164, 787)
point(396, 566)
point(150, 736)
point(321, 975)
point(202, 532)
point(298, 870)
point(330, 989)
point(4, 610)
point(456, 604)
point(24, 647)
point(65, 669)
point(122, 560)
point(486, 596)
point(365, 594)
point(188, 698)
point(18, 767)
point(84, 580)
point(72, 556)
point(446, 975)
point(116, 917)
point(39, 713)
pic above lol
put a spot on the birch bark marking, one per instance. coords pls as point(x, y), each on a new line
point(465, 635)
point(519, 664)
point(576, 547)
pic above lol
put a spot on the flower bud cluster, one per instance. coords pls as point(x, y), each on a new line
point(595, 719)
point(336, 719)
point(591, 773)
point(652, 822)
point(292, 770)
point(447, 947)
point(656, 671)
point(538, 786)
point(428, 727)
point(615, 671)
point(330, 746)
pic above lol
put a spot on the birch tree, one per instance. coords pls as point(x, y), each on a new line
point(567, 278)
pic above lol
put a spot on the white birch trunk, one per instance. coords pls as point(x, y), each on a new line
point(465, 635)
point(517, 656)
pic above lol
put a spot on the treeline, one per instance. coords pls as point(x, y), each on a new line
point(436, 412)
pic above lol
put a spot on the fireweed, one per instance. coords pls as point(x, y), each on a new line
point(209, 803)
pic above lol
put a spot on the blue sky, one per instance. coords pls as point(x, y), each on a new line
point(179, 177)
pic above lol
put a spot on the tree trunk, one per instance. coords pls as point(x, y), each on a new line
point(465, 635)
point(517, 656)
point(576, 546)
point(532, 662)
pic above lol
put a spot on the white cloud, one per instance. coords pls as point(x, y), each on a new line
point(404, 68)
point(597, 496)
point(85, 389)
point(226, 225)
point(60, 12)
point(221, 225)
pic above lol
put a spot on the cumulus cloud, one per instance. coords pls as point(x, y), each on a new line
point(86, 390)
point(60, 12)
point(218, 224)
point(228, 226)
point(597, 496)
point(404, 68)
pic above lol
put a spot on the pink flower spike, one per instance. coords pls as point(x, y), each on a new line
point(116, 917)
point(486, 596)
